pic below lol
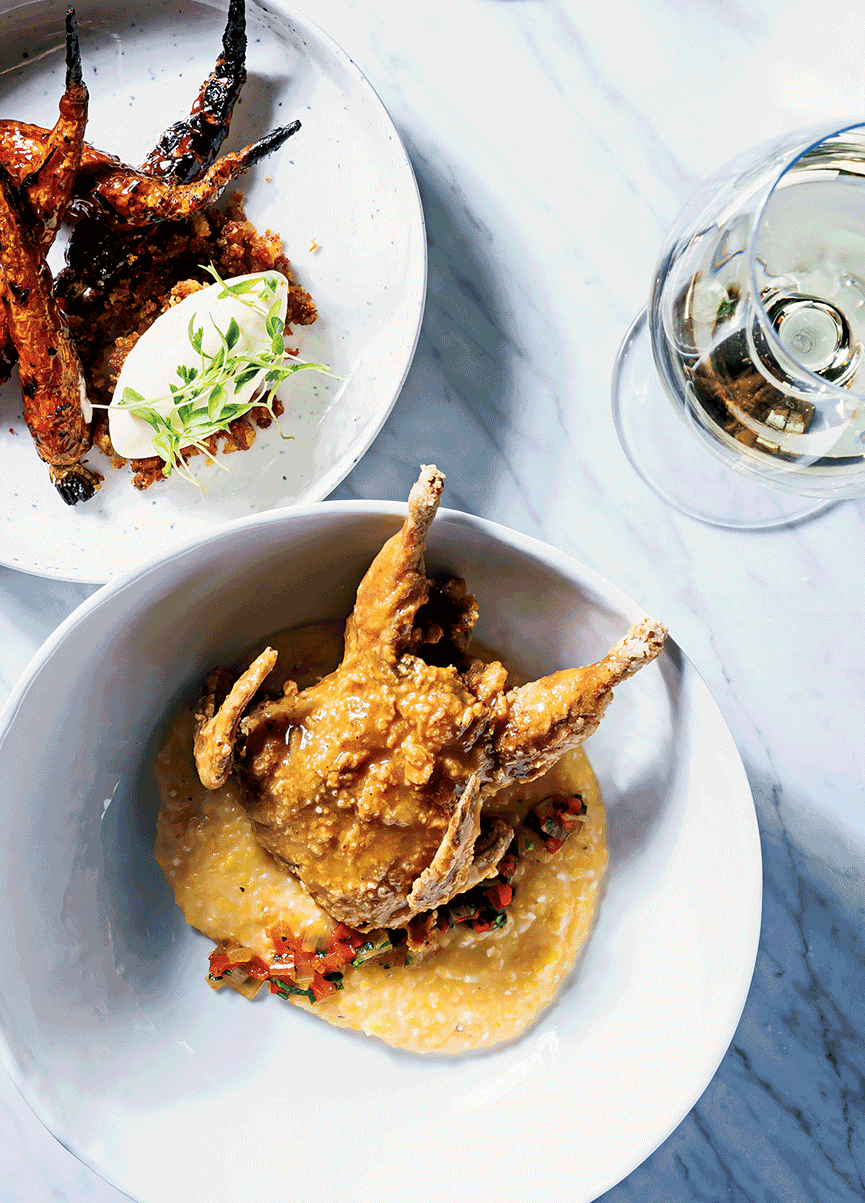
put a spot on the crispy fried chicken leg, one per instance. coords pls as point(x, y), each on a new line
point(396, 586)
point(370, 784)
point(547, 718)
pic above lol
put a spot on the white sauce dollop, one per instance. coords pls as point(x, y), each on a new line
point(151, 366)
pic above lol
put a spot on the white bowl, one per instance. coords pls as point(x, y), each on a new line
point(173, 1093)
point(343, 184)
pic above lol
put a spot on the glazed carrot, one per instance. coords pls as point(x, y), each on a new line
point(48, 188)
point(183, 152)
point(52, 383)
point(119, 194)
point(123, 195)
point(188, 147)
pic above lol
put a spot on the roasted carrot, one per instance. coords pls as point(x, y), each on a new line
point(188, 147)
point(48, 188)
point(52, 383)
point(124, 195)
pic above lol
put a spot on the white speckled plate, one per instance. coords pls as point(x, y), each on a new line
point(343, 183)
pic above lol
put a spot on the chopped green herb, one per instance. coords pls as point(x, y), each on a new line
point(285, 989)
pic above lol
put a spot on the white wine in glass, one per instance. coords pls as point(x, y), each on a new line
point(756, 331)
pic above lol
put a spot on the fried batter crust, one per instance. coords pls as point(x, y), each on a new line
point(370, 784)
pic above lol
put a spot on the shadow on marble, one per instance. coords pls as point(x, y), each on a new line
point(451, 405)
point(783, 1120)
point(38, 601)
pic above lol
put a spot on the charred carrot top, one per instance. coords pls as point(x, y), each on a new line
point(189, 146)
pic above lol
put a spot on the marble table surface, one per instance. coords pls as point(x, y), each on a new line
point(553, 142)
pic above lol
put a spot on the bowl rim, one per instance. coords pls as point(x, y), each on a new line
point(527, 544)
point(574, 571)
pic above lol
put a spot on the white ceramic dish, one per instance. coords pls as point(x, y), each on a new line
point(179, 1095)
point(343, 182)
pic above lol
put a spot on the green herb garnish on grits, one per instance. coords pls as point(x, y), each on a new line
point(204, 401)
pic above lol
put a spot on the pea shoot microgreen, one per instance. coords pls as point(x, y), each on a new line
point(204, 401)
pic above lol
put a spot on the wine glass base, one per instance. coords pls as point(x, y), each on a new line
point(673, 461)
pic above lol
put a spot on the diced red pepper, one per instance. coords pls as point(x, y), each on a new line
point(556, 817)
point(508, 866)
point(310, 967)
point(219, 964)
point(321, 987)
point(343, 934)
point(499, 895)
point(258, 968)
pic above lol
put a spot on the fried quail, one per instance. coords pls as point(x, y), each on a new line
point(370, 784)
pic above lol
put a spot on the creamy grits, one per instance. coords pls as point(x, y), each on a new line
point(474, 989)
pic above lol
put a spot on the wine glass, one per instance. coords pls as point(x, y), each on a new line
point(755, 330)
